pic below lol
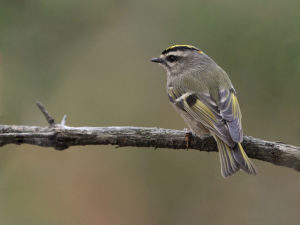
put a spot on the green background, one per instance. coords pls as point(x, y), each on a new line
point(90, 60)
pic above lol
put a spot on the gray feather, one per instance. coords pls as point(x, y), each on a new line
point(226, 111)
point(235, 130)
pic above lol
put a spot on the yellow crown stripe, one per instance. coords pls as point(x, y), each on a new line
point(176, 46)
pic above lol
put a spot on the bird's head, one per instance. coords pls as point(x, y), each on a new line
point(181, 59)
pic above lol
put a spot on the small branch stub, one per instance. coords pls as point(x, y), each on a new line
point(63, 121)
point(47, 115)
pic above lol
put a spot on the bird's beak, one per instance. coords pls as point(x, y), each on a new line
point(157, 60)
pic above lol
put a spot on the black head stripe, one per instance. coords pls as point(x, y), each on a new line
point(179, 47)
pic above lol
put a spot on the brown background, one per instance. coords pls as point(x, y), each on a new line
point(90, 60)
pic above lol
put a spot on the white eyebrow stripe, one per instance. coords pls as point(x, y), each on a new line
point(176, 53)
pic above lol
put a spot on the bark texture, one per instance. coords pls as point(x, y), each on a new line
point(62, 137)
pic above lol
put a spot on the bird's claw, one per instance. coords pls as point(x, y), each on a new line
point(187, 136)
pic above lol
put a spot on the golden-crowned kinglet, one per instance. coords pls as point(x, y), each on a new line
point(202, 93)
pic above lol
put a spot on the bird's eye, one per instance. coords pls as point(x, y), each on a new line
point(172, 58)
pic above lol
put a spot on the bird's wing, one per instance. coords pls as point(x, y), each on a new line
point(231, 113)
point(223, 120)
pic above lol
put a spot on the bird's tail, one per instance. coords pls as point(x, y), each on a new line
point(233, 159)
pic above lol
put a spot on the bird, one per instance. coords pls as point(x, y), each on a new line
point(203, 94)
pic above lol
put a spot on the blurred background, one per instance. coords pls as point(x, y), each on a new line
point(90, 60)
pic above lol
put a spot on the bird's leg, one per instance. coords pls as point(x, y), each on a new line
point(188, 135)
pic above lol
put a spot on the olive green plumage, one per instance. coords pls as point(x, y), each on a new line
point(202, 93)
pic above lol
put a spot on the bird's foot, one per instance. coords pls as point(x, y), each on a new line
point(188, 135)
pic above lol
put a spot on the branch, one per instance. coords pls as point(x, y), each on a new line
point(61, 137)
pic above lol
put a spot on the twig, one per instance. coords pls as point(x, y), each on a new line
point(63, 121)
point(47, 115)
